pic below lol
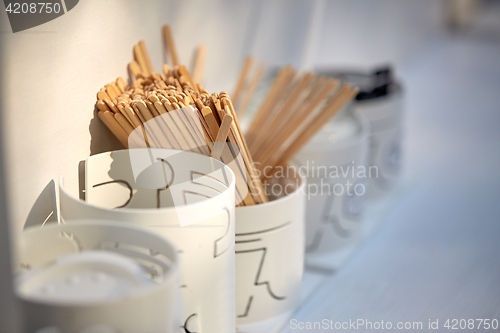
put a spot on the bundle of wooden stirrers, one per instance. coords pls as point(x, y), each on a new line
point(171, 110)
point(295, 108)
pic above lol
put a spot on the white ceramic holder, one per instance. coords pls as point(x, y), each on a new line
point(185, 197)
point(334, 161)
point(97, 276)
point(385, 116)
point(270, 255)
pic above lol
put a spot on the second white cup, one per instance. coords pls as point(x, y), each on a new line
point(270, 253)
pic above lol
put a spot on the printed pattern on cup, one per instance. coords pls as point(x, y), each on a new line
point(336, 196)
point(386, 154)
point(339, 220)
point(201, 225)
point(269, 257)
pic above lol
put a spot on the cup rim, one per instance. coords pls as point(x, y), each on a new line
point(362, 135)
point(168, 277)
point(232, 184)
point(296, 192)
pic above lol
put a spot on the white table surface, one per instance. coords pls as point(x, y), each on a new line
point(437, 256)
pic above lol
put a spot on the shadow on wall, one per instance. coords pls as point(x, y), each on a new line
point(45, 207)
point(101, 138)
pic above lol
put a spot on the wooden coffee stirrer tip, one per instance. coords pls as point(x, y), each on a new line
point(251, 89)
point(242, 78)
point(169, 43)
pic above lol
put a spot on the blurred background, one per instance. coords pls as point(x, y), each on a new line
point(437, 255)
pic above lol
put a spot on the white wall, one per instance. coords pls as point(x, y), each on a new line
point(368, 33)
point(352, 33)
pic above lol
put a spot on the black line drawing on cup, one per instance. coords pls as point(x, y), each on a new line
point(226, 234)
point(258, 283)
point(119, 181)
point(185, 326)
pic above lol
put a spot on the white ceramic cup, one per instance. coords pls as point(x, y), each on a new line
point(97, 276)
point(334, 161)
point(270, 255)
point(191, 204)
point(385, 116)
